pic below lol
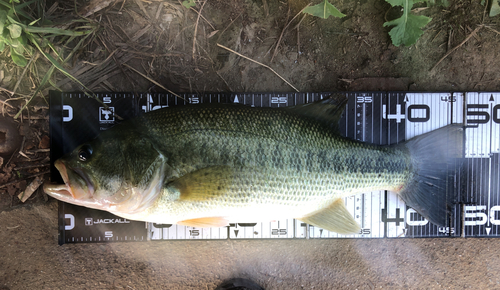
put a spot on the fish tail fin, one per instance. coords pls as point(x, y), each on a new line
point(433, 157)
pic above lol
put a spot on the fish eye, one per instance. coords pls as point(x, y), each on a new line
point(84, 153)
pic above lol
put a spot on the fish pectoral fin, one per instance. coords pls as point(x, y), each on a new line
point(207, 222)
point(203, 184)
point(335, 218)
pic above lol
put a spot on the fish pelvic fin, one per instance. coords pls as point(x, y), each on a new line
point(434, 157)
point(206, 222)
point(335, 218)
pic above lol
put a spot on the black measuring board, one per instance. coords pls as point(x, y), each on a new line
point(374, 117)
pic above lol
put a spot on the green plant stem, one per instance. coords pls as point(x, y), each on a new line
point(55, 31)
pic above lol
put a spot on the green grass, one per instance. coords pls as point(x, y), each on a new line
point(26, 35)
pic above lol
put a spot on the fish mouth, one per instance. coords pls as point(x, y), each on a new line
point(77, 188)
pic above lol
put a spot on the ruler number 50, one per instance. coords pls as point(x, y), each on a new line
point(476, 215)
point(479, 114)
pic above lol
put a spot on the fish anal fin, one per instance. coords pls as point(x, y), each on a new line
point(335, 218)
point(206, 222)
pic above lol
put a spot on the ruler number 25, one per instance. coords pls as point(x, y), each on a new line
point(278, 232)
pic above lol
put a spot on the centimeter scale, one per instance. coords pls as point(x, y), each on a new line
point(374, 117)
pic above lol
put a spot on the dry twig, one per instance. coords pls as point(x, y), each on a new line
point(223, 80)
point(220, 34)
point(202, 17)
point(153, 81)
point(118, 64)
point(266, 66)
point(96, 6)
point(6, 104)
point(494, 30)
point(283, 32)
point(38, 151)
point(32, 187)
point(19, 180)
point(139, 3)
point(196, 28)
point(458, 46)
point(32, 166)
point(24, 73)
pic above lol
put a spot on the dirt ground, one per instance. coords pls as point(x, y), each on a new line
point(31, 259)
point(151, 46)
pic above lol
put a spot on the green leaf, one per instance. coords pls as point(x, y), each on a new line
point(19, 49)
point(188, 3)
point(495, 8)
point(11, 20)
point(3, 19)
point(13, 42)
point(34, 21)
point(17, 9)
point(18, 59)
point(56, 31)
point(24, 45)
point(2, 45)
point(323, 10)
point(407, 28)
point(15, 30)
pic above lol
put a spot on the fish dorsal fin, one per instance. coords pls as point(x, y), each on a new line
point(327, 111)
point(206, 222)
point(335, 218)
point(203, 184)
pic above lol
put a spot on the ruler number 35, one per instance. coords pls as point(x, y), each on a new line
point(364, 99)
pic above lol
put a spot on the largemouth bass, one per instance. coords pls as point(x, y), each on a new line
point(209, 165)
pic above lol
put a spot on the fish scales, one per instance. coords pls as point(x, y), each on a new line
point(277, 158)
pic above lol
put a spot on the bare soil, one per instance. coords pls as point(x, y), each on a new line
point(156, 38)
